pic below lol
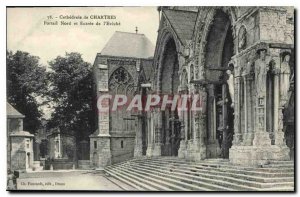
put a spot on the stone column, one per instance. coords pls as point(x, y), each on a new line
point(183, 131)
point(101, 153)
point(278, 107)
point(138, 148)
point(212, 114)
point(150, 144)
point(248, 135)
point(237, 119)
point(182, 148)
point(261, 136)
point(157, 134)
point(200, 125)
point(168, 115)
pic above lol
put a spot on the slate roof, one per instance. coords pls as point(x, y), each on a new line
point(11, 112)
point(124, 44)
point(182, 22)
point(21, 134)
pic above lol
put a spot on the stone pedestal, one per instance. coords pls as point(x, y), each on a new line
point(149, 152)
point(182, 149)
point(257, 155)
point(199, 150)
point(213, 149)
point(138, 149)
point(156, 150)
point(100, 153)
point(248, 139)
point(261, 138)
point(21, 150)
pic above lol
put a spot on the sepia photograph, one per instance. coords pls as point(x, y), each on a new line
point(150, 98)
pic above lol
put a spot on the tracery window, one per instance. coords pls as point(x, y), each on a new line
point(121, 82)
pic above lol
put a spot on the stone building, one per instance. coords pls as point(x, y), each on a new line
point(238, 60)
point(19, 142)
point(122, 66)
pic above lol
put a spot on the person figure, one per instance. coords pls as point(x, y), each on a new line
point(261, 69)
point(230, 82)
point(285, 72)
point(11, 180)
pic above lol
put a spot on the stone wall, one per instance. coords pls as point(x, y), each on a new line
point(106, 149)
point(21, 153)
point(122, 148)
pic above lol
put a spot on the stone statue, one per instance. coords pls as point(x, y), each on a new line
point(230, 82)
point(184, 79)
point(242, 38)
point(285, 72)
point(261, 69)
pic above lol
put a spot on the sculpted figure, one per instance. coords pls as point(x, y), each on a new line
point(230, 82)
point(184, 79)
point(285, 72)
point(261, 69)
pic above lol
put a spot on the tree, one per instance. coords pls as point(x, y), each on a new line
point(26, 80)
point(72, 95)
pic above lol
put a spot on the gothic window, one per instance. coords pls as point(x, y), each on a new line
point(121, 82)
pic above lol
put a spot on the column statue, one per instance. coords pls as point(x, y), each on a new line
point(261, 69)
point(285, 72)
point(230, 82)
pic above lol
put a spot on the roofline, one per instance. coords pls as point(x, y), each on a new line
point(181, 42)
point(123, 57)
point(130, 33)
point(185, 10)
point(15, 116)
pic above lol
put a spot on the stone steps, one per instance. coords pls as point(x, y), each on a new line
point(134, 182)
point(231, 182)
point(147, 183)
point(221, 175)
point(173, 174)
point(191, 179)
point(281, 162)
point(183, 182)
point(267, 172)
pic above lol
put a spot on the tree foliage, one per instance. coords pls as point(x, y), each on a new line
point(26, 80)
point(72, 95)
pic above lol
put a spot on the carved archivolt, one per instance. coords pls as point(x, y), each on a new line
point(166, 34)
point(203, 25)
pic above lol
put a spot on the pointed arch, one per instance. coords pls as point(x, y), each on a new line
point(121, 82)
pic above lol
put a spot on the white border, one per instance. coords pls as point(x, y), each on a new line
point(3, 5)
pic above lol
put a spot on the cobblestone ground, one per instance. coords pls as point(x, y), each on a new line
point(69, 180)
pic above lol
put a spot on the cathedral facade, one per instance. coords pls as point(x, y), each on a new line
point(238, 60)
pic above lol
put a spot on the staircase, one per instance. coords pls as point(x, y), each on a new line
point(173, 174)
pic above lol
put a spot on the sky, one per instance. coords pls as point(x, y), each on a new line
point(26, 30)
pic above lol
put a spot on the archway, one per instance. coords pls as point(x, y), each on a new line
point(168, 85)
point(218, 53)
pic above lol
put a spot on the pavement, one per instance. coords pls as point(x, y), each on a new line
point(70, 180)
